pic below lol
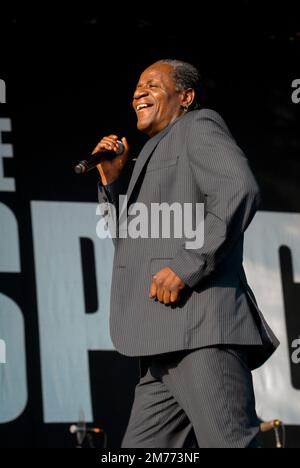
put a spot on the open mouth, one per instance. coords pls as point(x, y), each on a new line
point(140, 107)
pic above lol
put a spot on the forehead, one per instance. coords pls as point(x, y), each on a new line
point(160, 72)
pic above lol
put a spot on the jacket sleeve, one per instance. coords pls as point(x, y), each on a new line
point(108, 195)
point(222, 173)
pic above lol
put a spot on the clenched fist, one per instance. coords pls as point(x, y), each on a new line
point(166, 286)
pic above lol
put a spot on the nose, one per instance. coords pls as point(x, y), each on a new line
point(139, 93)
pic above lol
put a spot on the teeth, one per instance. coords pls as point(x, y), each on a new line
point(141, 106)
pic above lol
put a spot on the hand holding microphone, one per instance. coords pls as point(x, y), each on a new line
point(109, 156)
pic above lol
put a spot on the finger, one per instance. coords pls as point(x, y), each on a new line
point(103, 146)
point(174, 298)
point(125, 143)
point(167, 297)
point(153, 290)
point(108, 143)
point(160, 294)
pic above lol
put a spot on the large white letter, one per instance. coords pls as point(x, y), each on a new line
point(6, 151)
point(67, 333)
point(276, 397)
point(13, 385)
point(2, 352)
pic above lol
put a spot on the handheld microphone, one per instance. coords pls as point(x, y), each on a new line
point(269, 425)
point(86, 165)
point(74, 429)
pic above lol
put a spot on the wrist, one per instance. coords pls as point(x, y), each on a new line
point(106, 178)
point(107, 181)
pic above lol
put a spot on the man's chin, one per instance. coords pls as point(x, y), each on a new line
point(143, 127)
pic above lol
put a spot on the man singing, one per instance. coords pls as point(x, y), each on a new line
point(188, 314)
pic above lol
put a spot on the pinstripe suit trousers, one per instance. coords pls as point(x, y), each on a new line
point(202, 398)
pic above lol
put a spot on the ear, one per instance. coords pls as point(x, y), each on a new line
point(187, 97)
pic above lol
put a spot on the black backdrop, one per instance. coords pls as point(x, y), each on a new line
point(70, 78)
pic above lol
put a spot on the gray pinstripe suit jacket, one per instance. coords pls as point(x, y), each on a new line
point(195, 159)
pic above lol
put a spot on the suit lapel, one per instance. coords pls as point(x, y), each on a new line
point(144, 156)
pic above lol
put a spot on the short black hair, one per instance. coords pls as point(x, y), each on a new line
point(185, 76)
